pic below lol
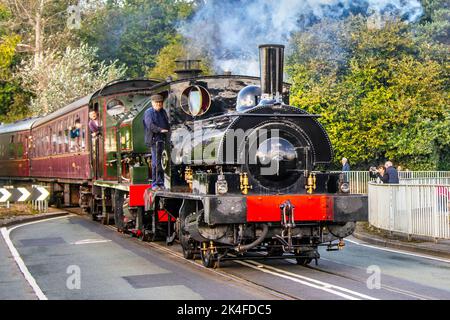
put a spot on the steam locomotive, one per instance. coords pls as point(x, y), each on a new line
point(240, 165)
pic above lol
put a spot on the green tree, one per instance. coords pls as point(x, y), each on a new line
point(65, 77)
point(383, 97)
point(134, 31)
point(13, 100)
point(165, 65)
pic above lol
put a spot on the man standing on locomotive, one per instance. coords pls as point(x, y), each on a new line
point(156, 125)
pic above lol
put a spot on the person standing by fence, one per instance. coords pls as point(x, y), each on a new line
point(392, 173)
point(345, 168)
point(382, 176)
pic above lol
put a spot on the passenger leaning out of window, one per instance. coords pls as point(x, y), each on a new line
point(94, 125)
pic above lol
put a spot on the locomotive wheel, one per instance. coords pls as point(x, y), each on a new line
point(275, 251)
point(303, 261)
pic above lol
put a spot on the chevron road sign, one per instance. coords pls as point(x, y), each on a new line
point(39, 193)
point(22, 194)
point(5, 195)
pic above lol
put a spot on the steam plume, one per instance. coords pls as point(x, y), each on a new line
point(230, 31)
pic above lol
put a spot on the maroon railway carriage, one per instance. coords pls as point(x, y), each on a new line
point(14, 149)
point(60, 153)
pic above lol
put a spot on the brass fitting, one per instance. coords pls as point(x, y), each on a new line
point(245, 186)
point(341, 244)
point(189, 176)
point(311, 183)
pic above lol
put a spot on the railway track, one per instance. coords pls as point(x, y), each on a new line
point(251, 273)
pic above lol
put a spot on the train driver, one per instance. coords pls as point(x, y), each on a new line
point(156, 125)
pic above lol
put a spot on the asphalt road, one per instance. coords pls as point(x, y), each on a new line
point(75, 258)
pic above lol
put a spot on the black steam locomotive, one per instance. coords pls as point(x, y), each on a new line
point(240, 172)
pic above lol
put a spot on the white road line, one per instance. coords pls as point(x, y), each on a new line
point(290, 276)
point(331, 288)
point(23, 268)
point(399, 251)
point(89, 241)
point(383, 286)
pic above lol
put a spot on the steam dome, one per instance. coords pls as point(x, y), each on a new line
point(248, 98)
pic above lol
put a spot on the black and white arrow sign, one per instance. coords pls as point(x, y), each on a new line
point(5, 195)
point(39, 193)
point(20, 194)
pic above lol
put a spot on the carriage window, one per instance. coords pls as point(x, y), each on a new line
point(83, 139)
point(66, 140)
point(60, 142)
point(53, 143)
point(19, 150)
point(75, 135)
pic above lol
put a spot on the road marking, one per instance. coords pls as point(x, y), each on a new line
point(228, 276)
point(383, 286)
point(399, 251)
point(290, 276)
point(23, 268)
point(90, 241)
point(317, 284)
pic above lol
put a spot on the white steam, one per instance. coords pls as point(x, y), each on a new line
point(230, 31)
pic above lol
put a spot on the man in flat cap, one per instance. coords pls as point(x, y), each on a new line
point(156, 125)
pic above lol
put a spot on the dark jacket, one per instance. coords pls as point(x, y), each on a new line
point(346, 167)
point(384, 178)
point(154, 122)
point(392, 174)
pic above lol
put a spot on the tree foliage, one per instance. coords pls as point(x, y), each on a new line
point(165, 65)
point(134, 31)
point(380, 92)
point(65, 77)
point(13, 100)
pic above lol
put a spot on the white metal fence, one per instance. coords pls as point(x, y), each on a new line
point(359, 180)
point(413, 209)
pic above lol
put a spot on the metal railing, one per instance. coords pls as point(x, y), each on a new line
point(359, 180)
point(412, 209)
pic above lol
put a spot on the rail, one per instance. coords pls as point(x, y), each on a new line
point(412, 209)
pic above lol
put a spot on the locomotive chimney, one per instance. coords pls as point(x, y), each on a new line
point(271, 57)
